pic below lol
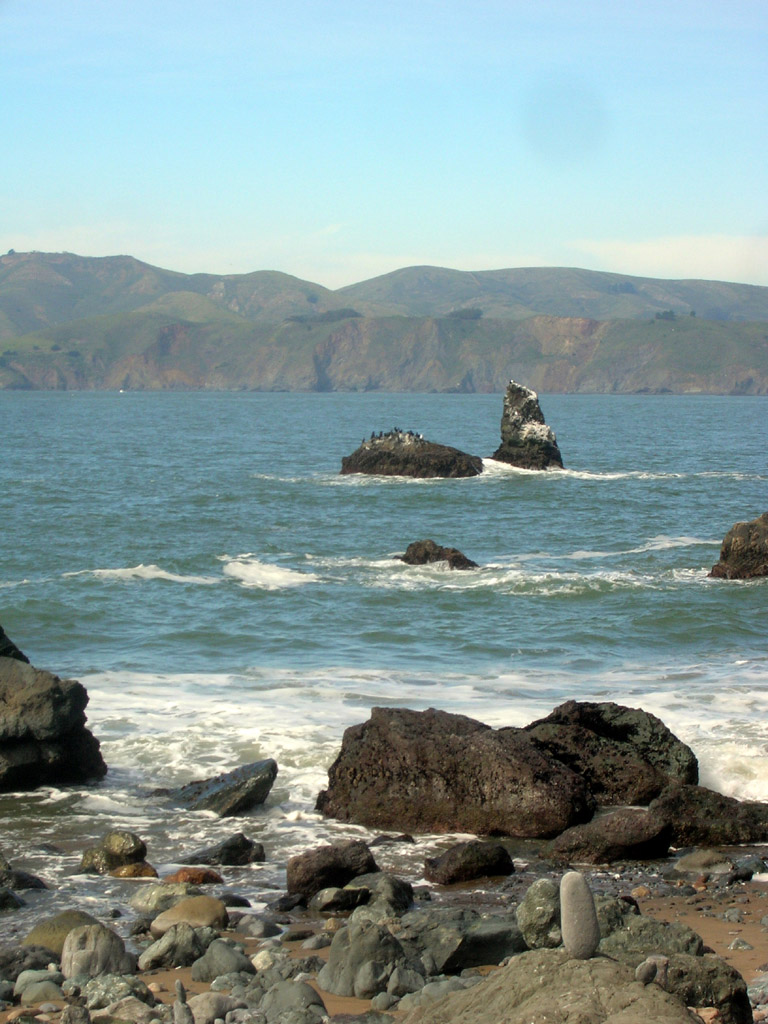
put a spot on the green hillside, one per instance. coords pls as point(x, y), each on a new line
point(207, 348)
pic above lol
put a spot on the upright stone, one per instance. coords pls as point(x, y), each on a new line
point(578, 917)
point(526, 441)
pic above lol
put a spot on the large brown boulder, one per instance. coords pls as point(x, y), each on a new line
point(43, 738)
point(628, 833)
point(626, 755)
point(403, 453)
point(744, 551)
point(330, 866)
point(526, 441)
point(430, 771)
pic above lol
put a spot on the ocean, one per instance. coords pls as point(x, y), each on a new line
point(198, 563)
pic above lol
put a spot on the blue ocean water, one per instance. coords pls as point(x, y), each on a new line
point(197, 561)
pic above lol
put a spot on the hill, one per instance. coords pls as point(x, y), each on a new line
point(554, 291)
point(153, 349)
point(114, 322)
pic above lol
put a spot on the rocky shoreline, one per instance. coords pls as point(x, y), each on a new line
point(379, 943)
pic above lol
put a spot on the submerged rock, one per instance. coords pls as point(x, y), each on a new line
point(744, 551)
point(424, 552)
point(526, 440)
point(117, 849)
point(430, 771)
point(43, 738)
point(403, 453)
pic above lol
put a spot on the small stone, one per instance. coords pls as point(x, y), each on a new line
point(646, 972)
point(641, 892)
point(578, 918)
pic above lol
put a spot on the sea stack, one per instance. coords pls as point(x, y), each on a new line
point(526, 441)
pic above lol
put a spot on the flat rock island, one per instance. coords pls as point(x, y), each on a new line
point(405, 453)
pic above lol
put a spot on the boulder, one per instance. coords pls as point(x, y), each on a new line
point(361, 959)
point(117, 849)
point(8, 648)
point(208, 1007)
point(288, 997)
point(229, 794)
point(237, 849)
point(697, 816)
point(108, 989)
point(424, 552)
point(547, 985)
point(710, 981)
point(628, 833)
point(94, 949)
point(154, 899)
point(403, 453)
point(637, 937)
point(384, 891)
point(526, 441)
point(431, 771)
point(220, 958)
point(465, 861)
point(180, 946)
point(196, 911)
point(327, 866)
point(452, 939)
point(744, 551)
point(43, 738)
point(538, 915)
point(626, 755)
point(52, 932)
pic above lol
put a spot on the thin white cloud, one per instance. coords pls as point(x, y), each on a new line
point(742, 258)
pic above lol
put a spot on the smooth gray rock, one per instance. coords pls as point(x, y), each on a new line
point(35, 977)
point(180, 946)
point(182, 1014)
point(220, 958)
point(361, 959)
point(93, 950)
point(538, 915)
point(155, 898)
point(41, 992)
point(578, 918)
point(131, 1009)
point(211, 1006)
point(288, 996)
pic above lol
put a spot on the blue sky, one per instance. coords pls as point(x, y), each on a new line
point(341, 139)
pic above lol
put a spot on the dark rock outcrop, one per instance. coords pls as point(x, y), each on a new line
point(431, 771)
point(43, 738)
point(423, 552)
point(403, 453)
point(329, 866)
point(626, 755)
point(700, 817)
point(466, 861)
point(228, 794)
point(627, 833)
point(453, 939)
point(744, 551)
point(8, 648)
point(526, 440)
point(237, 849)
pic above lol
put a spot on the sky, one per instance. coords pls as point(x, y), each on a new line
point(337, 140)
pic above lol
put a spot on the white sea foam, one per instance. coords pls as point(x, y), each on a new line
point(249, 571)
point(145, 572)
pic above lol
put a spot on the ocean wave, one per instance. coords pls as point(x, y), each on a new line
point(144, 572)
point(249, 571)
